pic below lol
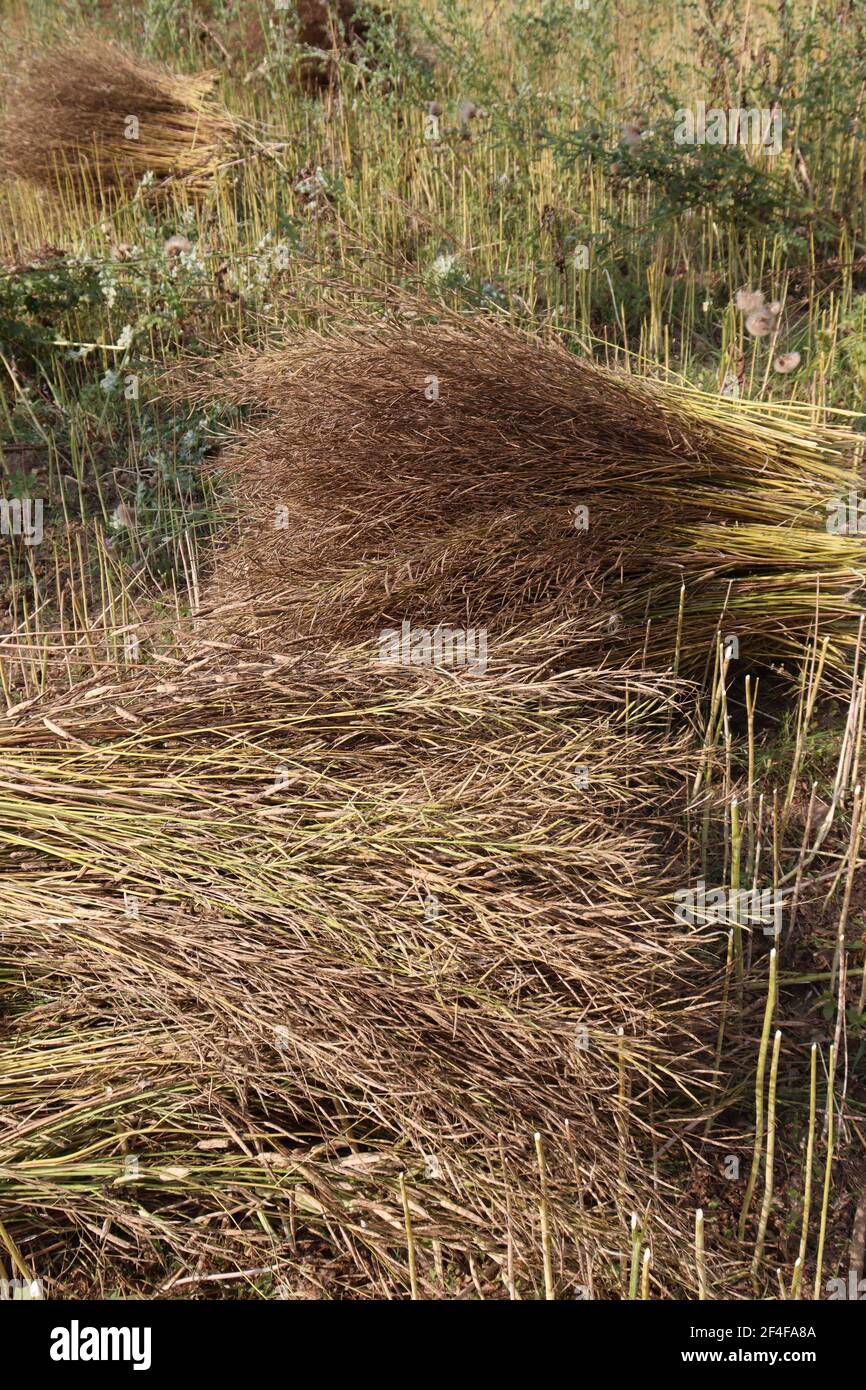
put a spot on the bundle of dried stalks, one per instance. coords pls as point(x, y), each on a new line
point(463, 474)
point(361, 917)
point(278, 932)
point(87, 114)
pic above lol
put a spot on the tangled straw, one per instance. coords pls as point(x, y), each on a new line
point(378, 928)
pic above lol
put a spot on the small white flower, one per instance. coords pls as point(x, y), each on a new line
point(442, 266)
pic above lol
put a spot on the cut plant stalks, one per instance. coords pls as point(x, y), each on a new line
point(810, 1158)
point(121, 747)
point(840, 958)
point(95, 725)
point(330, 541)
point(751, 700)
point(410, 1239)
point(634, 1272)
point(101, 623)
point(759, 1097)
point(700, 1255)
point(769, 1157)
point(828, 1174)
point(390, 201)
point(645, 1274)
point(723, 1018)
point(736, 841)
point(251, 851)
point(544, 1218)
point(88, 117)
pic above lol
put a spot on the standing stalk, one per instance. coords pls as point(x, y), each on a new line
point(635, 1258)
point(736, 855)
point(768, 1162)
point(810, 1154)
point(828, 1172)
point(759, 1096)
point(700, 1255)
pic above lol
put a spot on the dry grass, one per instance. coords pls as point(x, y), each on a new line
point(366, 501)
point(381, 932)
point(380, 928)
point(295, 1025)
point(68, 116)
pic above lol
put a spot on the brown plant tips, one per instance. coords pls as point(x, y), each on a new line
point(463, 474)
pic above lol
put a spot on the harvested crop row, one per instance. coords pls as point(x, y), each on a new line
point(378, 926)
point(464, 475)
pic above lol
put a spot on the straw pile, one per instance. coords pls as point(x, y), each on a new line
point(463, 474)
point(88, 113)
point(278, 932)
point(290, 939)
